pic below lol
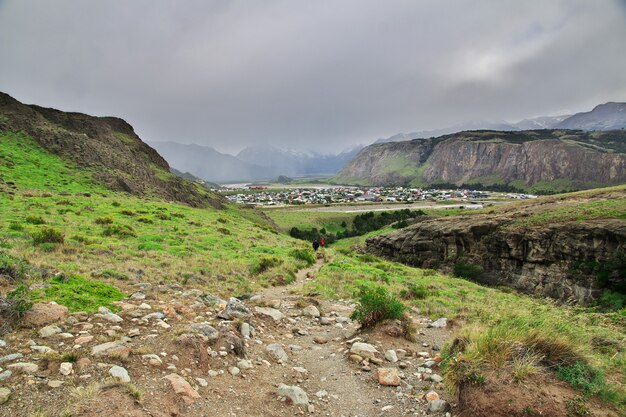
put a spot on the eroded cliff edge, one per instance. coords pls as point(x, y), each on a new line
point(568, 248)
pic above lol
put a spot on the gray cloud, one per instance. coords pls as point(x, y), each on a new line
point(311, 74)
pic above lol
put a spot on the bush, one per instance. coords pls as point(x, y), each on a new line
point(14, 306)
point(103, 220)
point(581, 376)
point(127, 212)
point(264, 264)
point(12, 267)
point(34, 220)
point(117, 230)
point(303, 255)
point(467, 271)
point(414, 292)
point(144, 219)
point(376, 305)
point(48, 235)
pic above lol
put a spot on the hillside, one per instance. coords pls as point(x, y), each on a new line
point(536, 160)
point(607, 116)
point(107, 147)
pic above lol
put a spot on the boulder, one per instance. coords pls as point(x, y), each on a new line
point(117, 349)
point(311, 311)
point(43, 314)
point(49, 331)
point(206, 330)
point(364, 349)
point(120, 374)
point(274, 314)
point(235, 309)
point(5, 394)
point(277, 353)
point(294, 393)
point(388, 376)
point(182, 388)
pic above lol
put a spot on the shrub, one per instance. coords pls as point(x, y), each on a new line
point(34, 220)
point(48, 235)
point(80, 294)
point(303, 255)
point(144, 219)
point(118, 230)
point(16, 227)
point(110, 273)
point(14, 306)
point(127, 212)
point(115, 204)
point(12, 267)
point(414, 292)
point(467, 270)
point(264, 264)
point(582, 376)
point(376, 305)
point(103, 220)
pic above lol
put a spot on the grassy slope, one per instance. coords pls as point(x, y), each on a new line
point(215, 250)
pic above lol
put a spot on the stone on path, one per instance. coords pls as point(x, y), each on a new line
point(119, 374)
point(391, 356)
point(320, 340)
point(438, 406)
point(388, 376)
point(42, 314)
point(432, 396)
point(206, 330)
point(2, 343)
point(244, 364)
point(275, 315)
point(115, 349)
point(364, 349)
point(11, 357)
point(245, 330)
point(294, 393)
point(54, 383)
point(25, 367)
point(277, 352)
point(182, 388)
point(49, 331)
point(439, 323)
point(311, 311)
point(235, 309)
point(5, 393)
point(5, 375)
point(66, 368)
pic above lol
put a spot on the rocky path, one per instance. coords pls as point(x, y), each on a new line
point(176, 352)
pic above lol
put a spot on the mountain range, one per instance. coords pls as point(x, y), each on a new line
point(607, 116)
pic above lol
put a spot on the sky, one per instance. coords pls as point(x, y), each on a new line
point(321, 75)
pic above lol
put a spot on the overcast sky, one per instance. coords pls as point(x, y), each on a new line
point(323, 74)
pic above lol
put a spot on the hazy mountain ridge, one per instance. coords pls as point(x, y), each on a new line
point(557, 160)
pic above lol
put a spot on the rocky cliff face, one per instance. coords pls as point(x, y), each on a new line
point(107, 146)
point(543, 259)
point(562, 160)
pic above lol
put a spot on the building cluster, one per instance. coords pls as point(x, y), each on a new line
point(342, 194)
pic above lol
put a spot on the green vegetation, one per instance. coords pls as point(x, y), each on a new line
point(79, 294)
point(376, 305)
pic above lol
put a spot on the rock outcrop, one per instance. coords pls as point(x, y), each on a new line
point(558, 259)
point(550, 160)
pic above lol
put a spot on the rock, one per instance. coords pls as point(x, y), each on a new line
point(5, 394)
point(244, 364)
point(276, 315)
point(391, 356)
point(432, 396)
point(153, 360)
point(157, 315)
point(376, 361)
point(325, 321)
point(117, 349)
point(207, 330)
point(24, 367)
point(277, 353)
point(120, 374)
point(213, 373)
point(439, 323)
point(202, 382)
point(192, 293)
point(321, 394)
point(300, 369)
point(66, 368)
point(234, 371)
point(144, 306)
point(212, 300)
point(54, 383)
point(356, 358)
point(138, 296)
point(235, 309)
point(388, 376)
point(364, 349)
point(112, 317)
point(83, 339)
point(311, 311)
point(438, 406)
point(342, 320)
point(11, 357)
point(387, 408)
point(43, 314)
point(5, 375)
point(320, 340)
point(245, 330)
point(49, 331)
point(294, 393)
point(182, 388)
point(436, 378)
point(430, 364)
point(2, 343)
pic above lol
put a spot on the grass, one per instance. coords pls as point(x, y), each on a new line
point(286, 218)
point(141, 239)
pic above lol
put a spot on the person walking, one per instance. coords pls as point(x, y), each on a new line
point(322, 242)
point(316, 245)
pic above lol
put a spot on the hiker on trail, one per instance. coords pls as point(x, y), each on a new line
point(316, 245)
point(322, 242)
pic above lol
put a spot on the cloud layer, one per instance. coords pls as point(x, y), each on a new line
point(311, 74)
